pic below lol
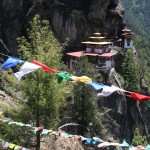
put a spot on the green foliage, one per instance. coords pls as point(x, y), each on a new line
point(136, 14)
point(130, 72)
point(136, 17)
point(138, 139)
point(143, 49)
point(120, 78)
point(84, 110)
point(16, 135)
point(42, 94)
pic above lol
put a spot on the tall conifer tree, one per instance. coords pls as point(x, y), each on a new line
point(43, 95)
point(130, 72)
point(85, 107)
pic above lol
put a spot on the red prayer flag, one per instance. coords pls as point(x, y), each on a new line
point(139, 97)
point(76, 139)
point(40, 128)
point(58, 133)
point(139, 147)
point(44, 67)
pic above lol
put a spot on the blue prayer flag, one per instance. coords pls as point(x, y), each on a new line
point(96, 85)
point(88, 141)
point(10, 62)
point(124, 144)
point(96, 141)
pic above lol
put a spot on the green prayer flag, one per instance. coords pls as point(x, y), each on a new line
point(147, 147)
point(17, 147)
point(62, 75)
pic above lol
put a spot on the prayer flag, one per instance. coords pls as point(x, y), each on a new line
point(45, 131)
point(25, 148)
point(62, 75)
point(97, 140)
point(96, 85)
point(49, 131)
point(124, 144)
point(108, 90)
point(147, 147)
point(138, 97)
point(83, 138)
point(3, 144)
point(103, 144)
point(10, 62)
point(83, 79)
point(139, 147)
point(26, 68)
point(76, 138)
point(115, 144)
point(65, 135)
point(6, 145)
point(133, 148)
point(44, 67)
point(17, 147)
point(12, 146)
point(88, 141)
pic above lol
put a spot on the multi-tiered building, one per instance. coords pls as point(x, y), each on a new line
point(127, 38)
point(99, 50)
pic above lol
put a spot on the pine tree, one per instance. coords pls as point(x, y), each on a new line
point(43, 95)
point(130, 72)
point(138, 139)
point(85, 107)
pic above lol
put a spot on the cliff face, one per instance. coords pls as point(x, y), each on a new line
point(73, 19)
point(124, 114)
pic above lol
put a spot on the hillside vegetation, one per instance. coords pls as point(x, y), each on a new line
point(137, 14)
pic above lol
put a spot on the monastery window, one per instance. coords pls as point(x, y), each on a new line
point(93, 50)
point(101, 62)
point(92, 59)
point(74, 63)
point(128, 42)
point(88, 49)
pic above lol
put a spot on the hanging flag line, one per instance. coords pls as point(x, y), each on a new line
point(4, 55)
point(96, 141)
point(7, 145)
point(28, 67)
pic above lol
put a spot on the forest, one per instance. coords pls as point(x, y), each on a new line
point(136, 17)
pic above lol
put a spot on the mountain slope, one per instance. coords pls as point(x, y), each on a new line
point(137, 15)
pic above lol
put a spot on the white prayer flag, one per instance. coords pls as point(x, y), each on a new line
point(108, 90)
point(26, 68)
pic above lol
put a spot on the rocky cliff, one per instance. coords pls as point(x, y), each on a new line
point(73, 19)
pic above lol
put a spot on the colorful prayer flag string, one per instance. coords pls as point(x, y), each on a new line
point(106, 90)
point(95, 140)
point(7, 145)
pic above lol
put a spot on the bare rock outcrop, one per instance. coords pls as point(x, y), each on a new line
point(73, 19)
point(61, 144)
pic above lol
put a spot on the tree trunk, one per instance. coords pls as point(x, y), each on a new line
point(38, 141)
point(38, 132)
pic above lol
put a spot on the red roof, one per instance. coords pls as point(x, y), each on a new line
point(76, 54)
point(81, 53)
